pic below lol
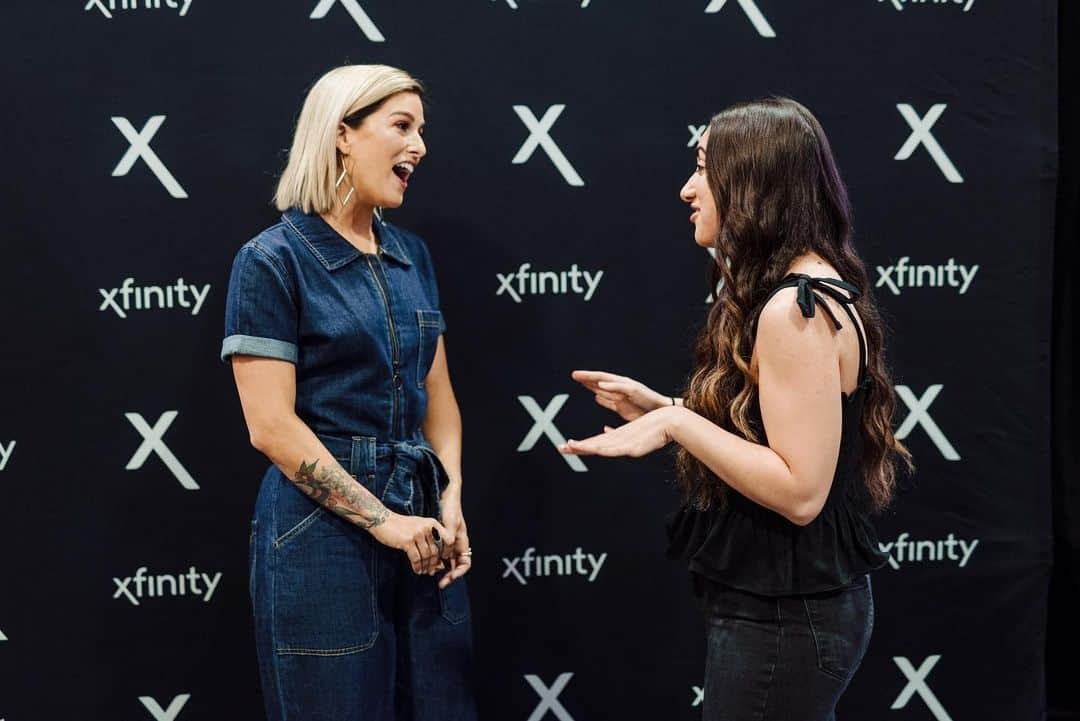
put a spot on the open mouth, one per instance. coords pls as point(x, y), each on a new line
point(403, 170)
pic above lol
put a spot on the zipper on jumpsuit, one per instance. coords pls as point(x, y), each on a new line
point(393, 340)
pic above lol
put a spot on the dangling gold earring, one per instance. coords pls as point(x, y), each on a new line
point(341, 179)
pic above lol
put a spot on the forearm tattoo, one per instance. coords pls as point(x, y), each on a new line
point(335, 489)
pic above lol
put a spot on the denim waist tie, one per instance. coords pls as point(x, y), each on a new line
point(377, 464)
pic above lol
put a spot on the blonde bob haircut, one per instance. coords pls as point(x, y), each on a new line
point(347, 94)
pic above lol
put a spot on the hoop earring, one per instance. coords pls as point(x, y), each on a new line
point(340, 180)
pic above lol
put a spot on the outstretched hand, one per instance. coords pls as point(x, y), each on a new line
point(637, 438)
point(629, 398)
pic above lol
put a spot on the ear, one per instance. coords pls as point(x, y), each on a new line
point(342, 140)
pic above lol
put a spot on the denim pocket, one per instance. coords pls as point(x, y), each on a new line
point(430, 324)
point(454, 602)
point(841, 624)
point(325, 591)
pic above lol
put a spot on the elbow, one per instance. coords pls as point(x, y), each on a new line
point(805, 509)
point(264, 437)
point(804, 515)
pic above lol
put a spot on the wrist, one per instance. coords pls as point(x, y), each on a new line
point(674, 421)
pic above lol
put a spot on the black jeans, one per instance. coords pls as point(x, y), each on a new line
point(782, 659)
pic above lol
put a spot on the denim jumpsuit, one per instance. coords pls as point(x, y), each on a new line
point(344, 629)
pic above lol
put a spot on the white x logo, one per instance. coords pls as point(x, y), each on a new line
point(920, 415)
point(920, 135)
point(152, 443)
point(539, 137)
point(97, 4)
point(3, 637)
point(917, 685)
point(549, 697)
point(699, 696)
point(168, 714)
point(140, 148)
point(545, 426)
point(751, 9)
point(358, 15)
point(696, 131)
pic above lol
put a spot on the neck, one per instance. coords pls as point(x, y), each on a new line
point(353, 222)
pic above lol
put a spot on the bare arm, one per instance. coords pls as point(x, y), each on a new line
point(799, 393)
point(442, 428)
point(267, 390)
point(442, 424)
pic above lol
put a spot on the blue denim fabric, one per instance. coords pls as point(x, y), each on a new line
point(345, 631)
point(344, 628)
point(361, 328)
point(782, 658)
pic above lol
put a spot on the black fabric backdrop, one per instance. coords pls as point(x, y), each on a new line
point(943, 119)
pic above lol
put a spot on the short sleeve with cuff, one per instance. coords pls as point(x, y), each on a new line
point(260, 309)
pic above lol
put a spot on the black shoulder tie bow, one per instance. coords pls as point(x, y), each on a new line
point(807, 296)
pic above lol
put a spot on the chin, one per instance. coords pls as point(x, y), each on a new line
point(703, 242)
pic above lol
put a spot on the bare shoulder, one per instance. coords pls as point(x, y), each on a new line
point(785, 335)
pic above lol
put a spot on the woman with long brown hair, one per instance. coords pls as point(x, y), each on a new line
point(785, 443)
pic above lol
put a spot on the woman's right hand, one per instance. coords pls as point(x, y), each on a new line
point(626, 396)
point(412, 534)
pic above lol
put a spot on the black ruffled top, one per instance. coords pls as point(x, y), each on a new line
point(744, 545)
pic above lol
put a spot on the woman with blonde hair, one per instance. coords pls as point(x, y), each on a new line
point(334, 332)
point(785, 442)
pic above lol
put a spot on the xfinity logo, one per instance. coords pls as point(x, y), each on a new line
point(920, 416)
point(899, 4)
point(916, 684)
point(142, 585)
point(530, 565)
point(5, 454)
point(905, 274)
point(106, 7)
point(549, 697)
point(751, 9)
point(539, 137)
point(168, 714)
point(355, 12)
point(153, 443)
point(544, 425)
point(140, 148)
point(531, 282)
point(906, 550)
point(148, 297)
point(920, 135)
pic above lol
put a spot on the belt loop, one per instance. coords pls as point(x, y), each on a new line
point(362, 458)
point(371, 461)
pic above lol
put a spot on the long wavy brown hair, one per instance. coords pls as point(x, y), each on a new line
point(778, 196)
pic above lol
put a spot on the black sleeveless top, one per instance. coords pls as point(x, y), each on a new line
point(744, 545)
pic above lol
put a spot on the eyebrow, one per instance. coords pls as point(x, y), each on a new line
point(406, 113)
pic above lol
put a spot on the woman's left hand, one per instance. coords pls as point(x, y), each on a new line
point(454, 520)
point(637, 438)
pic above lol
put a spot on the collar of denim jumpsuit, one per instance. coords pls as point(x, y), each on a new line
point(332, 250)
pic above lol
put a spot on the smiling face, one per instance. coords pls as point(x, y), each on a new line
point(383, 151)
point(696, 192)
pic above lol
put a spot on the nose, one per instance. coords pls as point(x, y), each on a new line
point(688, 193)
point(419, 146)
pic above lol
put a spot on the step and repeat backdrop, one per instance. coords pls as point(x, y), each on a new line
point(143, 140)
